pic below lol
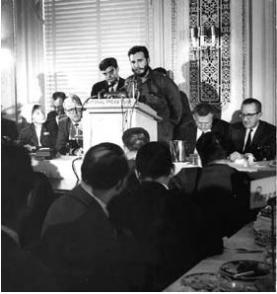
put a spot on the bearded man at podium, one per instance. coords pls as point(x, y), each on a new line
point(154, 89)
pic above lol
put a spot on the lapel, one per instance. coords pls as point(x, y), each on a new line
point(120, 83)
point(193, 133)
point(240, 137)
point(259, 133)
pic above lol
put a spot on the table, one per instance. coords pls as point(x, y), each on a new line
point(60, 171)
point(244, 238)
point(62, 177)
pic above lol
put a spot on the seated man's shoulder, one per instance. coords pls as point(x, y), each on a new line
point(65, 209)
point(51, 115)
point(267, 125)
point(64, 120)
point(221, 122)
point(236, 126)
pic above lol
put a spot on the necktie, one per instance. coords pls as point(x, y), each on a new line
point(248, 142)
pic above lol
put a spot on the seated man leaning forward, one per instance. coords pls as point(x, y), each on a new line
point(112, 83)
point(252, 137)
point(70, 128)
point(79, 242)
point(204, 121)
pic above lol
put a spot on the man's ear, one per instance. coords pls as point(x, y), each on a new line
point(121, 184)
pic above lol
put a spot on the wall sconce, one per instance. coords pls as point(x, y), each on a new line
point(205, 41)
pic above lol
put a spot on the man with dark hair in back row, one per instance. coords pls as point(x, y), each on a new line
point(79, 242)
point(154, 89)
point(112, 83)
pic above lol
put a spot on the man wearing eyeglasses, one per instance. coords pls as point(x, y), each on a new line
point(112, 83)
point(252, 136)
point(70, 128)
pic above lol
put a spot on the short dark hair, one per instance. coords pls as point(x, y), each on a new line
point(209, 148)
point(57, 95)
point(136, 49)
point(104, 166)
point(255, 101)
point(161, 70)
point(105, 63)
point(129, 133)
point(17, 179)
point(154, 160)
point(203, 109)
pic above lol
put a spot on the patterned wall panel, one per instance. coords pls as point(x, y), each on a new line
point(210, 73)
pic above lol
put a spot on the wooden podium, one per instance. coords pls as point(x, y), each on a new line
point(105, 120)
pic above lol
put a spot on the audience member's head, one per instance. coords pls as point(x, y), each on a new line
point(161, 70)
point(38, 116)
point(105, 167)
point(139, 59)
point(73, 108)
point(134, 138)
point(109, 69)
point(153, 161)
point(251, 112)
point(17, 181)
point(209, 149)
point(58, 99)
point(203, 115)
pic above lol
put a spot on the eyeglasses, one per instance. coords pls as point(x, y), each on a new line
point(248, 115)
point(71, 110)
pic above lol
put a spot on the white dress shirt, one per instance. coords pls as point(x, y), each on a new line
point(252, 135)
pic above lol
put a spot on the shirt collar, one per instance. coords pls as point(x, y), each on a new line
point(100, 202)
point(11, 233)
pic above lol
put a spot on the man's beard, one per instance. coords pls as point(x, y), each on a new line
point(141, 75)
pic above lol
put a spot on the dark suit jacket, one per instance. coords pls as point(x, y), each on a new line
point(52, 125)
point(188, 132)
point(9, 129)
point(63, 135)
point(83, 248)
point(28, 136)
point(104, 87)
point(21, 271)
point(186, 114)
point(263, 144)
point(168, 227)
point(225, 193)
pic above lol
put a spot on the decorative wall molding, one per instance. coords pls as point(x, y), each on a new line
point(210, 77)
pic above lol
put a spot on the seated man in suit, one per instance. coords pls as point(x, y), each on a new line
point(167, 225)
point(252, 135)
point(221, 189)
point(112, 83)
point(70, 133)
point(204, 121)
point(79, 242)
point(20, 271)
point(54, 116)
